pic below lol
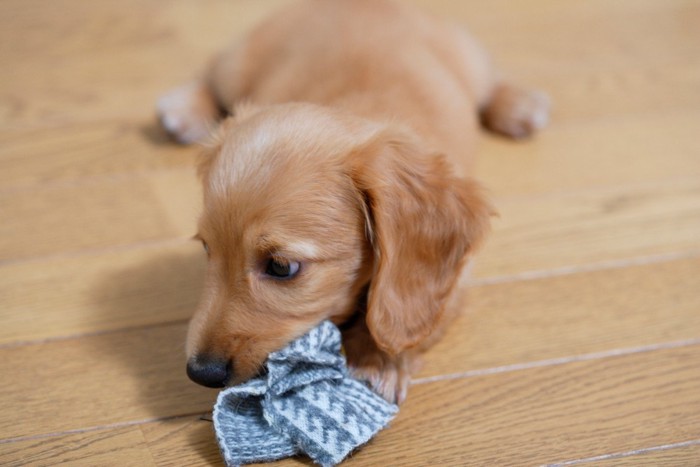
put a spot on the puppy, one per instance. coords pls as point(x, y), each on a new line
point(337, 184)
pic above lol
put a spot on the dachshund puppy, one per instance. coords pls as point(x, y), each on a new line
point(337, 184)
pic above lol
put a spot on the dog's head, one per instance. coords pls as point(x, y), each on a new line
point(307, 212)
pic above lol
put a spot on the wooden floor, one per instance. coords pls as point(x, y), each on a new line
point(582, 345)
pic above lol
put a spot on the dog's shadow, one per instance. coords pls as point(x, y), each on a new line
point(154, 133)
point(158, 291)
point(149, 297)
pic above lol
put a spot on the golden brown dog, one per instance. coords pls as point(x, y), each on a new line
point(339, 186)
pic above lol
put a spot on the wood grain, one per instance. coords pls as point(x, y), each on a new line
point(532, 417)
point(547, 414)
point(682, 456)
point(574, 231)
point(527, 321)
point(180, 37)
point(84, 294)
point(511, 323)
point(111, 447)
point(98, 213)
point(581, 343)
point(636, 150)
point(533, 234)
point(584, 228)
point(148, 286)
point(542, 35)
point(603, 154)
point(165, 440)
point(98, 380)
point(102, 60)
point(39, 158)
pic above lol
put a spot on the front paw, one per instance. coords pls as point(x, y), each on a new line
point(389, 377)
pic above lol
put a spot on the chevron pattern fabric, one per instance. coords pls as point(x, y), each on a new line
point(305, 403)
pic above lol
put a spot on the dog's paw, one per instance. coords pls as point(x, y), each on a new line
point(188, 113)
point(516, 112)
point(388, 377)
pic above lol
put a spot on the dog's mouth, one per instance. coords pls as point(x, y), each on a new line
point(261, 373)
point(357, 316)
point(237, 380)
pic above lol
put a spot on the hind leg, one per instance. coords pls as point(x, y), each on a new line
point(515, 112)
point(189, 112)
point(505, 109)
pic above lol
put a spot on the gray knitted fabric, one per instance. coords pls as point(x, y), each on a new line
point(305, 403)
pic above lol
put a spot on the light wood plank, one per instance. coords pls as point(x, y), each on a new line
point(147, 286)
point(581, 97)
point(547, 414)
point(98, 213)
point(95, 211)
point(197, 435)
point(96, 381)
point(113, 447)
point(95, 28)
point(176, 45)
point(519, 418)
point(570, 315)
point(586, 228)
point(602, 154)
point(532, 233)
point(636, 150)
point(616, 68)
point(511, 323)
point(678, 456)
point(35, 158)
point(546, 35)
point(127, 59)
point(96, 293)
point(586, 95)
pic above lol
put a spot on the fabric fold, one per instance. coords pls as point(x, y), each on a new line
point(306, 403)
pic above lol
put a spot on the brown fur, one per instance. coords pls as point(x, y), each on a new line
point(366, 184)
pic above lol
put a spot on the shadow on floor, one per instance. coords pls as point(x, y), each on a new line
point(147, 358)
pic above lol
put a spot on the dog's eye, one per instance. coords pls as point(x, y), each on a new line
point(280, 269)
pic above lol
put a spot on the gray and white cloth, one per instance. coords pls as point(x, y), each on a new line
point(306, 402)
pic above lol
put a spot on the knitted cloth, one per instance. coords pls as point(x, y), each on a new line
point(305, 403)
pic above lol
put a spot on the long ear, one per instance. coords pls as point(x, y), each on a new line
point(424, 221)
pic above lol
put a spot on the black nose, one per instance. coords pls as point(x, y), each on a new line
point(209, 371)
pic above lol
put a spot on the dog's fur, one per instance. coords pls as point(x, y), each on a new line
point(349, 151)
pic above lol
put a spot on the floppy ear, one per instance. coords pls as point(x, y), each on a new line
point(424, 221)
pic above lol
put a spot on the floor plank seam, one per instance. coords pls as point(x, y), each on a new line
point(75, 254)
point(475, 282)
point(560, 361)
point(606, 190)
point(104, 332)
point(468, 374)
point(91, 429)
point(135, 122)
point(593, 267)
point(619, 455)
point(488, 281)
point(116, 177)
